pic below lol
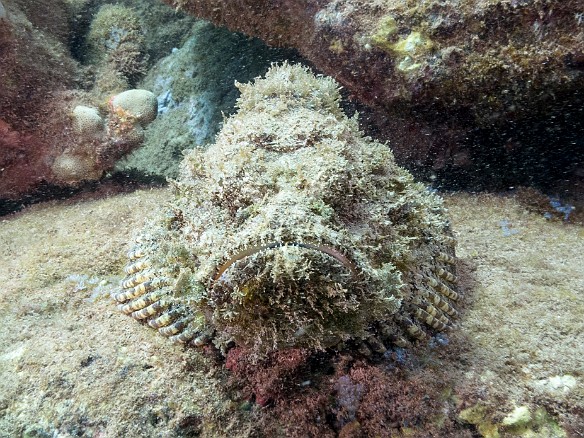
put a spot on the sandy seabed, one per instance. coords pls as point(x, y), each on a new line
point(72, 365)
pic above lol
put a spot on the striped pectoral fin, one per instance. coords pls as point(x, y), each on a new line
point(141, 302)
point(431, 320)
point(434, 311)
point(442, 288)
point(164, 320)
point(136, 253)
point(138, 278)
point(181, 330)
point(412, 329)
point(202, 339)
point(153, 309)
point(441, 303)
point(142, 288)
point(446, 275)
point(375, 344)
point(446, 258)
point(138, 266)
point(184, 336)
point(174, 328)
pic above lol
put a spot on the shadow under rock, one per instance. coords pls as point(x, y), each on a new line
point(115, 183)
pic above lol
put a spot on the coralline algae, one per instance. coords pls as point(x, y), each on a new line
point(294, 230)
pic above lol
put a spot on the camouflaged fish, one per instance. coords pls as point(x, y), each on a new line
point(294, 230)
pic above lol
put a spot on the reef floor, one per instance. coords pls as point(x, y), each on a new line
point(71, 365)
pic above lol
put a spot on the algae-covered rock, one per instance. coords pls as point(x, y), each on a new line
point(116, 45)
point(194, 88)
point(294, 230)
point(475, 90)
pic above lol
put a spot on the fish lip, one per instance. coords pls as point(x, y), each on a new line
point(254, 249)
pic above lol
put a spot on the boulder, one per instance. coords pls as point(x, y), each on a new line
point(473, 84)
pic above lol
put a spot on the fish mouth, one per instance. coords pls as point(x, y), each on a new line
point(256, 249)
point(289, 292)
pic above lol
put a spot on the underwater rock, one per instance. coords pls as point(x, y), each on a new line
point(194, 87)
point(34, 60)
point(34, 69)
point(116, 46)
point(294, 230)
point(445, 79)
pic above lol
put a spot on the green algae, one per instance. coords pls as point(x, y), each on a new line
point(384, 32)
point(520, 422)
point(409, 51)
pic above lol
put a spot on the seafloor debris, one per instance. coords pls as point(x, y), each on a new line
point(294, 230)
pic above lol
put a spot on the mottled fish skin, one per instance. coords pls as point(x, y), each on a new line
point(294, 230)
